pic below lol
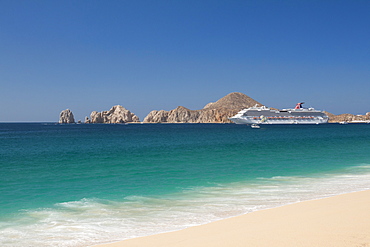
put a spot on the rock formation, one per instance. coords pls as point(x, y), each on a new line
point(215, 112)
point(117, 114)
point(87, 119)
point(66, 117)
point(347, 117)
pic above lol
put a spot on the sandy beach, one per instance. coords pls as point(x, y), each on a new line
point(342, 220)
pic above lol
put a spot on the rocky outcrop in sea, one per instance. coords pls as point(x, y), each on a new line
point(117, 114)
point(66, 117)
point(214, 112)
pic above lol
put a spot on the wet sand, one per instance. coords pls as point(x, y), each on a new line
point(339, 221)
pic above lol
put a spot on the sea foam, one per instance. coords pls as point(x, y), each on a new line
point(92, 221)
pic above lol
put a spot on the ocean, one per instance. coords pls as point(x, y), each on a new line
point(84, 184)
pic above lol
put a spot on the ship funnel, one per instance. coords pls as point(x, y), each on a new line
point(298, 105)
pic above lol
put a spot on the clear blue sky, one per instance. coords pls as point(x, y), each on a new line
point(147, 55)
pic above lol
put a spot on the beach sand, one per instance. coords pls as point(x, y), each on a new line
point(339, 221)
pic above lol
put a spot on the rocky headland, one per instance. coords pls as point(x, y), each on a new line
point(346, 117)
point(214, 112)
point(117, 114)
point(66, 117)
point(228, 106)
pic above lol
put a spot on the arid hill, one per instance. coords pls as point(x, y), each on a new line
point(215, 112)
point(233, 101)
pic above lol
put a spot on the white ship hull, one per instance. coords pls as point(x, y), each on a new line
point(296, 121)
point(264, 115)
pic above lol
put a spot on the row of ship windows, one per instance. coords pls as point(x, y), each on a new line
point(285, 117)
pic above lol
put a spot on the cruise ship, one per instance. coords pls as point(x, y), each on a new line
point(264, 115)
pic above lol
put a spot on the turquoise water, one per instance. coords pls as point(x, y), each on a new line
point(79, 185)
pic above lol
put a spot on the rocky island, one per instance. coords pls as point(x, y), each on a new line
point(66, 117)
point(117, 114)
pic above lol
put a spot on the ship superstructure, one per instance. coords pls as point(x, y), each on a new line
point(264, 115)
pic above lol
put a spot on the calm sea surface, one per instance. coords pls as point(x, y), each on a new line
point(79, 185)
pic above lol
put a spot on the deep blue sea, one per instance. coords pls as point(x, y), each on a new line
point(80, 184)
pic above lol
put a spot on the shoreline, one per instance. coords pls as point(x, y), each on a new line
point(338, 221)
